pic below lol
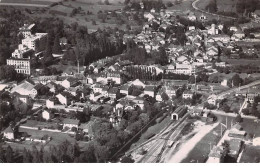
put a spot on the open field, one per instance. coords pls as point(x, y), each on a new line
point(25, 2)
point(242, 61)
point(201, 150)
point(250, 154)
point(223, 5)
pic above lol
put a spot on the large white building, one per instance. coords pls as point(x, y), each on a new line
point(21, 60)
point(21, 56)
point(30, 41)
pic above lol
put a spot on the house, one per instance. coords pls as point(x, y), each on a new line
point(9, 133)
point(95, 96)
point(25, 88)
point(150, 90)
point(216, 155)
point(87, 127)
point(187, 94)
point(50, 103)
point(73, 91)
point(234, 147)
point(64, 98)
point(70, 123)
point(138, 83)
point(124, 89)
point(69, 82)
point(52, 86)
point(47, 115)
point(212, 99)
point(192, 17)
point(114, 77)
point(113, 93)
point(22, 98)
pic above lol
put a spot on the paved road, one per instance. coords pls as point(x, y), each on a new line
point(22, 4)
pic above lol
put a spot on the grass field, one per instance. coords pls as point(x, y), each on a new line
point(242, 61)
point(251, 154)
point(223, 5)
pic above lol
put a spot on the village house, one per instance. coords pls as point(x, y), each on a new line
point(70, 82)
point(187, 94)
point(95, 96)
point(64, 98)
point(217, 155)
point(47, 115)
point(150, 90)
point(124, 89)
point(70, 123)
point(113, 93)
point(9, 133)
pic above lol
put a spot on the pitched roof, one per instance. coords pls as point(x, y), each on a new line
point(70, 121)
point(149, 88)
point(113, 90)
point(8, 130)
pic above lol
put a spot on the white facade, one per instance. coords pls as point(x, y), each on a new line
point(46, 115)
point(9, 135)
point(21, 65)
point(62, 99)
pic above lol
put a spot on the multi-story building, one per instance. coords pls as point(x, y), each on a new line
point(21, 60)
point(27, 30)
point(31, 41)
point(30, 44)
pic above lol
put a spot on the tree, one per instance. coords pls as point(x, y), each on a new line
point(237, 81)
point(101, 153)
point(27, 158)
point(238, 118)
point(7, 72)
point(56, 49)
point(127, 159)
point(226, 108)
point(165, 97)
point(9, 154)
point(106, 2)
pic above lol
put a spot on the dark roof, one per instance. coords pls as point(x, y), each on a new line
point(70, 121)
point(8, 130)
point(72, 80)
point(113, 90)
point(149, 88)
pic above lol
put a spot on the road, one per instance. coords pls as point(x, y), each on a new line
point(23, 4)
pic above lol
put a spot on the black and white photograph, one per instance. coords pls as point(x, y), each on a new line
point(130, 81)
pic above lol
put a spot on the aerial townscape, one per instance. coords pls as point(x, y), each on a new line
point(129, 81)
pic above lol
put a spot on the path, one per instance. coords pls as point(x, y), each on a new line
point(186, 148)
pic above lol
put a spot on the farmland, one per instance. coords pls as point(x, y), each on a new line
point(223, 5)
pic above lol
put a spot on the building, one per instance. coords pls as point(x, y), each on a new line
point(150, 90)
point(217, 155)
point(26, 88)
point(21, 60)
point(113, 93)
point(47, 115)
point(69, 82)
point(33, 41)
point(9, 133)
point(64, 98)
point(70, 123)
point(187, 94)
point(27, 30)
point(185, 69)
point(179, 113)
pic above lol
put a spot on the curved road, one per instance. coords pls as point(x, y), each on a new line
point(194, 5)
